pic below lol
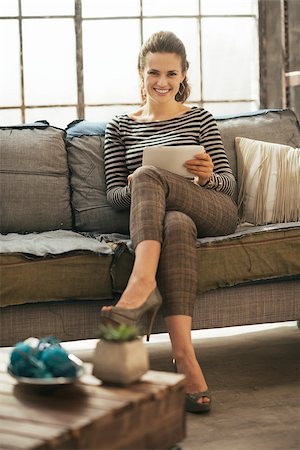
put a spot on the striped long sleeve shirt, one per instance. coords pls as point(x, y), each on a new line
point(126, 138)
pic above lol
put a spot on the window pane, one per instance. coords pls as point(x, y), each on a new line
point(170, 7)
point(228, 108)
point(110, 8)
point(220, 7)
point(110, 69)
point(9, 8)
point(49, 61)
point(58, 117)
point(188, 31)
point(230, 55)
point(10, 90)
point(10, 117)
point(47, 7)
point(106, 113)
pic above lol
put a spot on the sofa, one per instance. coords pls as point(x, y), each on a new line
point(65, 252)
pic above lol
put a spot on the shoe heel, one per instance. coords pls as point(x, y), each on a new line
point(150, 320)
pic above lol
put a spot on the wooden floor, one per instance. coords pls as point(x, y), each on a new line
point(255, 384)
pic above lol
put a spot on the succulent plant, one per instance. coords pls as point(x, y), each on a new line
point(119, 333)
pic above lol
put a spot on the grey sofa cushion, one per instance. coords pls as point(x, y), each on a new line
point(34, 182)
point(277, 126)
point(92, 212)
point(250, 254)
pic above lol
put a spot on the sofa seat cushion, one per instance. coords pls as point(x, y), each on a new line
point(251, 254)
point(34, 182)
point(76, 275)
point(57, 265)
point(92, 212)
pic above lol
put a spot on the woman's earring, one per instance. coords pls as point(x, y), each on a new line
point(181, 88)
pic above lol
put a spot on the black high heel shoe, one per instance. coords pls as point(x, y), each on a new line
point(191, 400)
point(133, 315)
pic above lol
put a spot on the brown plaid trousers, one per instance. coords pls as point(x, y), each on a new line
point(175, 211)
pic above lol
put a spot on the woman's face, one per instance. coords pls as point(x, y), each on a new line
point(162, 76)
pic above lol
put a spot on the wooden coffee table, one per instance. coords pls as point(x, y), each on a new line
point(148, 414)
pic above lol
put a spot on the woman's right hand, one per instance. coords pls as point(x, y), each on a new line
point(129, 178)
point(201, 167)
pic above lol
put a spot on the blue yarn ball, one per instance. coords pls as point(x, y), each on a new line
point(44, 358)
point(24, 362)
point(18, 352)
point(57, 361)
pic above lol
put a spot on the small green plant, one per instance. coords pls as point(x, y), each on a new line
point(119, 333)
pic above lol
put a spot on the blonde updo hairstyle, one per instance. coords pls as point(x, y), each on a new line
point(165, 42)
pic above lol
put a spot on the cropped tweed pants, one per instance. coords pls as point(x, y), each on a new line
point(174, 211)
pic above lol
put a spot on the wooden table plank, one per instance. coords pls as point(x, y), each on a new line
point(114, 392)
point(30, 429)
point(54, 417)
point(109, 407)
point(11, 440)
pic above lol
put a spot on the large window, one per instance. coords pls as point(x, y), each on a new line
point(68, 59)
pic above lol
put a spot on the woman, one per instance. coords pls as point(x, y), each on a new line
point(168, 212)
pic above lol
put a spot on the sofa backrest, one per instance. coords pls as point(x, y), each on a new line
point(34, 185)
point(34, 182)
point(86, 161)
point(277, 126)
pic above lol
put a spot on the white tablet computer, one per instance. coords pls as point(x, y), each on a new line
point(171, 158)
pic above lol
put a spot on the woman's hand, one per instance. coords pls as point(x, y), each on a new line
point(129, 179)
point(201, 166)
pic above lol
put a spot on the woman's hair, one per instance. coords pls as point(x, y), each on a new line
point(165, 42)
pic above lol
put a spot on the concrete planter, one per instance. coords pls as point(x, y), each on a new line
point(120, 362)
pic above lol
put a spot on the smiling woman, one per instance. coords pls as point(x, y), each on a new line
point(167, 211)
point(157, 76)
point(162, 78)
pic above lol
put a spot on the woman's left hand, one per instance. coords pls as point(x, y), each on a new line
point(201, 166)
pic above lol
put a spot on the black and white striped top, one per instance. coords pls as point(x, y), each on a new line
point(126, 138)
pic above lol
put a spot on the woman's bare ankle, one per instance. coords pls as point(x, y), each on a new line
point(136, 292)
point(137, 281)
point(189, 366)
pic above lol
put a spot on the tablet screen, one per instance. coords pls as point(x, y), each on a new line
point(171, 158)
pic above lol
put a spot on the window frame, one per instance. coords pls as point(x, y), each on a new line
point(78, 21)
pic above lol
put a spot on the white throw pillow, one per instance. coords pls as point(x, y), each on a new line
point(269, 182)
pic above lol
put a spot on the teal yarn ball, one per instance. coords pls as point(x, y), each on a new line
point(24, 363)
point(18, 352)
point(57, 361)
point(44, 358)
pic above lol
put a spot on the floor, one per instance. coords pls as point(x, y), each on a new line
point(253, 373)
